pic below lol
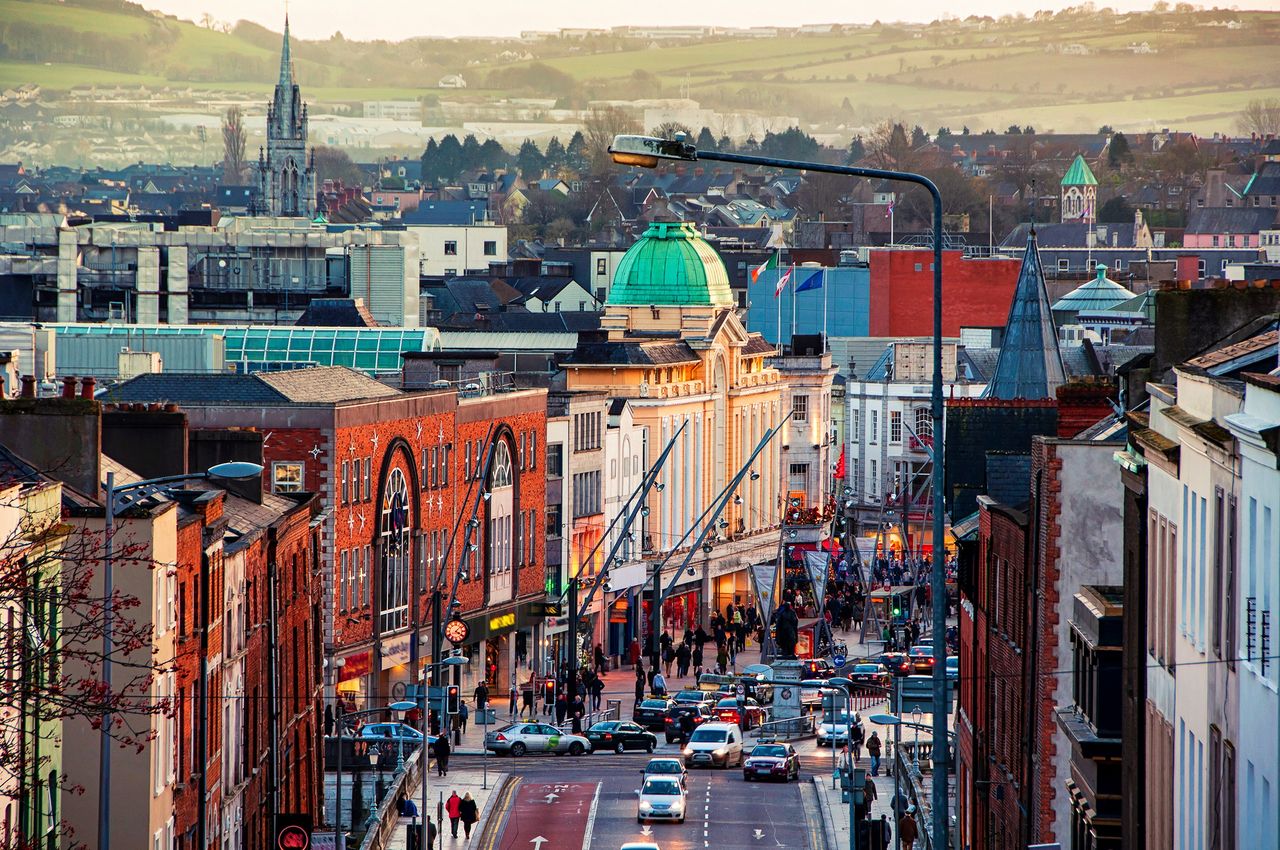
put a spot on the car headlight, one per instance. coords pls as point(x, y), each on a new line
point(678, 808)
point(645, 806)
point(688, 751)
point(720, 752)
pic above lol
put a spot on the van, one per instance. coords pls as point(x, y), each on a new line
point(714, 745)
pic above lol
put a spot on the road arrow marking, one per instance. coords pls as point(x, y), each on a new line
point(759, 834)
point(537, 842)
point(646, 830)
point(552, 797)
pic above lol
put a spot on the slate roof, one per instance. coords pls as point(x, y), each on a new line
point(1101, 293)
point(320, 385)
point(664, 353)
point(1030, 365)
point(448, 212)
point(1238, 220)
point(337, 313)
point(1072, 235)
point(757, 344)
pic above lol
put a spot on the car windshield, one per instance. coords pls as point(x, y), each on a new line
point(604, 727)
point(662, 787)
point(770, 752)
point(732, 702)
point(513, 728)
point(708, 736)
point(954, 661)
point(689, 696)
point(665, 766)
point(922, 650)
point(866, 668)
point(841, 718)
point(654, 703)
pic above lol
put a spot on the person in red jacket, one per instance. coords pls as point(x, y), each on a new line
point(453, 808)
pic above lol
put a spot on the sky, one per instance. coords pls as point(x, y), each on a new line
point(399, 19)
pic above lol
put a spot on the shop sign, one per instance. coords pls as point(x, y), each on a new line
point(395, 651)
point(293, 832)
point(502, 622)
point(356, 666)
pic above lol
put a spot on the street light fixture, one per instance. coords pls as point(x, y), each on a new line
point(646, 152)
point(230, 471)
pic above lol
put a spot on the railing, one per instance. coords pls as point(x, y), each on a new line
point(613, 712)
point(787, 728)
point(387, 818)
point(923, 803)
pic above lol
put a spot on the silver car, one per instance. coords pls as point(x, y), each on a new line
point(661, 798)
point(833, 731)
point(520, 738)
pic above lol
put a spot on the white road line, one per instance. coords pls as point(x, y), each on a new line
point(591, 819)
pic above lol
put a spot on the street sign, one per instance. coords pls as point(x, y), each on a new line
point(741, 689)
point(838, 660)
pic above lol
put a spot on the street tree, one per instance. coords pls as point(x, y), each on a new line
point(335, 164)
point(598, 130)
point(530, 161)
point(1261, 116)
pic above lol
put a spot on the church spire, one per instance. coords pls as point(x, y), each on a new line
point(286, 58)
point(1030, 364)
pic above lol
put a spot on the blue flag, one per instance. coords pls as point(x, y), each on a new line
point(813, 281)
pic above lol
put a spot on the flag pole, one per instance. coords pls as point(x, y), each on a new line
point(777, 306)
point(824, 311)
point(791, 284)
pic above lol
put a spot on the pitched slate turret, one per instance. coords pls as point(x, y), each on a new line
point(1030, 365)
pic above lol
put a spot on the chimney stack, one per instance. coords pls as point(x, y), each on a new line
point(86, 388)
point(28, 386)
point(69, 387)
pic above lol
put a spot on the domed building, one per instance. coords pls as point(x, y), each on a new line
point(1100, 293)
point(672, 346)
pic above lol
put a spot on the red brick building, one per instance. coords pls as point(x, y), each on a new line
point(975, 292)
point(398, 475)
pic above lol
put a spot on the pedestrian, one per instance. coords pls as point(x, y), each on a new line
point(908, 832)
point(873, 750)
point(683, 657)
point(577, 712)
point(471, 813)
point(482, 695)
point(696, 658)
point(453, 808)
point(640, 682)
point(600, 662)
point(410, 810)
point(562, 708)
point(431, 833)
point(668, 656)
point(886, 831)
point(722, 659)
point(511, 702)
point(441, 749)
point(597, 693)
point(328, 721)
point(463, 714)
point(659, 685)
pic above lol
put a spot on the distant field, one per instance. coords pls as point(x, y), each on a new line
point(74, 18)
point(66, 76)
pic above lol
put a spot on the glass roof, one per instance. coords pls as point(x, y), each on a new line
point(263, 348)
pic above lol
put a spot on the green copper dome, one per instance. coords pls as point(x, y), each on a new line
point(671, 265)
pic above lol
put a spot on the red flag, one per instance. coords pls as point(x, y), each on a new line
point(840, 467)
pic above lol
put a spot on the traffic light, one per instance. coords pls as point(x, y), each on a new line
point(549, 691)
point(452, 695)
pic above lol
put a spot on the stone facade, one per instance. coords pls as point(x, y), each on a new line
point(285, 171)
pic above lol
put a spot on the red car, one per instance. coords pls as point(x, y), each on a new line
point(922, 659)
point(751, 716)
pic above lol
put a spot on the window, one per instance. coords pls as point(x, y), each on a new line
point(286, 477)
point(450, 272)
point(555, 460)
point(800, 408)
point(1200, 264)
point(895, 426)
point(451, 248)
point(857, 423)
point(553, 520)
point(1224, 265)
point(490, 248)
point(1064, 265)
point(368, 478)
point(1229, 603)
point(1219, 591)
point(600, 294)
point(344, 602)
point(346, 482)
point(395, 534)
point(446, 451)
point(451, 372)
point(923, 423)
point(874, 481)
point(875, 426)
point(602, 266)
point(586, 493)
point(533, 450)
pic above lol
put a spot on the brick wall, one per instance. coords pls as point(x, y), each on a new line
point(975, 292)
point(1046, 487)
point(187, 672)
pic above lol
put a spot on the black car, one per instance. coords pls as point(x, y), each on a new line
point(692, 696)
point(651, 713)
point(817, 668)
point(897, 663)
point(619, 736)
point(699, 711)
point(772, 761)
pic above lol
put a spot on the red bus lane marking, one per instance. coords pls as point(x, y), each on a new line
point(549, 816)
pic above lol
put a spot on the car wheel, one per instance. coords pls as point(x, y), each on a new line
point(619, 748)
point(518, 749)
point(670, 740)
point(576, 749)
point(649, 745)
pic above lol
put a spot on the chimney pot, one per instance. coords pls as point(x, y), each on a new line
point(171, 408)
point(69, 387)
point(86, 388)
point(28, 386)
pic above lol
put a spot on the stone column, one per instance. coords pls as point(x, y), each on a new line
point(148, 286)
point(68, 253)
point(178, 287)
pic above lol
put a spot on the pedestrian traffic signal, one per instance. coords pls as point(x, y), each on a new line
point(451, 699)
point(549, 691)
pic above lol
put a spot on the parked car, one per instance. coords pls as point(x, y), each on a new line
point(393, 733)
point(520, 738)
point(661, 798)
point(833, 731)
point(953, 667)
point(922, 659)
point(671, 727)
point(667, 767)
point(749, 716)
point(714, 745)
point(651, 713)
point(897, 663)
point(619, 736)
point(772, 761)
point(869, 677)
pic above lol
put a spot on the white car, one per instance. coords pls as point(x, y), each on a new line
point(661, 798)
point(667, 767)
point(714, 745)
point(837, 733)
point(520, 738)
point(640, 845)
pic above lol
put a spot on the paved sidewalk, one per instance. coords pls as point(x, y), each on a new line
point(438, 790)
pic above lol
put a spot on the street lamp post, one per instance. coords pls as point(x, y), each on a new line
point(843, 685)
point(646, 152)
point(916, 717)
point(233, 471)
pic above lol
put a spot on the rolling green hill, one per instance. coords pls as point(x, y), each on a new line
point(1065, 72)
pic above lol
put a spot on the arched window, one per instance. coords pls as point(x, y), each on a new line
point(501, 465)
point(395, 540)
point(923, 424)
point(503, 529)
